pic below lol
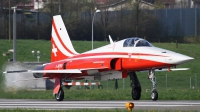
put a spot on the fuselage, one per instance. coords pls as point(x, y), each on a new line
point(132, 54)
point(114, 61)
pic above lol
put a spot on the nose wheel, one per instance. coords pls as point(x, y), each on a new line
point(154, 93)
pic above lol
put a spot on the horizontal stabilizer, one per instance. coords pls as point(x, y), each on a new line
point(17, 71)
point(57, 71)
point(45, 71)
point(30, 79)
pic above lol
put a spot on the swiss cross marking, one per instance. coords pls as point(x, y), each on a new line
point(54, 50)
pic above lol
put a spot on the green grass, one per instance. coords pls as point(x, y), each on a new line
point(24, 48)
point(98, 94)
point(178, 84)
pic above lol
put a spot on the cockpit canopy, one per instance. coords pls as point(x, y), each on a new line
point(136, 42)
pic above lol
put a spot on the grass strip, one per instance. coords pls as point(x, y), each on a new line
point(120, 94)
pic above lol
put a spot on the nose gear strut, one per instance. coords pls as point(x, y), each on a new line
point(154, 93)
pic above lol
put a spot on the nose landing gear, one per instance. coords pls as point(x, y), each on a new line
point(154, 93)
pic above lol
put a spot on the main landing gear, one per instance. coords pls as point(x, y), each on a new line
point(58, 91)
point(154, 93)
point(60, 95)
point(136, 87)
point(135, 84)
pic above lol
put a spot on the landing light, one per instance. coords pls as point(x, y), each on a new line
point(129, 106)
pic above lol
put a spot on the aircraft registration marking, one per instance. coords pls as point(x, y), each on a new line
point(59, 66)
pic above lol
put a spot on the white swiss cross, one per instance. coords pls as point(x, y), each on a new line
point(54, 50)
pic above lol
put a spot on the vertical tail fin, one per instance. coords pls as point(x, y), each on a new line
point(61, 44)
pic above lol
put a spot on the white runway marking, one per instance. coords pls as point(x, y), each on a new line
point(139, 105)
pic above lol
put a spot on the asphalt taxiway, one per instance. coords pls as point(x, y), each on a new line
point(139, 105)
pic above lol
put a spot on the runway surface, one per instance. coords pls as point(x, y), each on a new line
point(139, 105)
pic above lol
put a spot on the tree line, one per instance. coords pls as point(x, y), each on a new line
point(129, 20)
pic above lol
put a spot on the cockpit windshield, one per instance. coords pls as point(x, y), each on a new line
point(136, 42)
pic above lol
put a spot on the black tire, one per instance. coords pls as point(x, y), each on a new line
point(154, 95)
point(136, 94)
point(60, 95)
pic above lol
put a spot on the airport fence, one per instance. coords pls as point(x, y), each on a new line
point(164, 81)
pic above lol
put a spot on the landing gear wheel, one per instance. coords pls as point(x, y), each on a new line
point(60, 95)
point(154, 95)
point(136, 94)
point(152, 77)
point(136, 87)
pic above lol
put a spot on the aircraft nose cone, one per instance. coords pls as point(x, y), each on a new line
point(189, 58)
point(183, 59)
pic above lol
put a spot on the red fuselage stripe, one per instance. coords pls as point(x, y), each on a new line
point(114, 53)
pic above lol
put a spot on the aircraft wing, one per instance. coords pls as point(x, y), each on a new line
point(173, 69)
point(46, 71)
point(169, 70)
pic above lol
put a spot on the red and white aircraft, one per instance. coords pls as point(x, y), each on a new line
point(114, 61)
